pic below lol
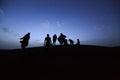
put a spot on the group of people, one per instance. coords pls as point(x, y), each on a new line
point(48, 42)
point(61, 39)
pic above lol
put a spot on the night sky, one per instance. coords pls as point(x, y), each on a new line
point(94, 22)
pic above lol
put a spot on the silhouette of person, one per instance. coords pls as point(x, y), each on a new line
point(61, 39)
point(47, 41)
point(24, 40)
point(54, 39)
point(65, 42)
point(78, 42)
point(71, 41)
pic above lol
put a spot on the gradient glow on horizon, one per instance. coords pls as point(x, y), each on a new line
point(94, 22)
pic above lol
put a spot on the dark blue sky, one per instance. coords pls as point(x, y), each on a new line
point(95, 22)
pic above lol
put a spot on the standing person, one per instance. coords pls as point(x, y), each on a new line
point(47, 41)
point(25, 40)
point(54, 39)
point(62, 39)
point(65, 42)
point(78, 42)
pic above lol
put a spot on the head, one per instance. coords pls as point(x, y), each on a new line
point(47, 35)
point(28, 33)
point(61, 33)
